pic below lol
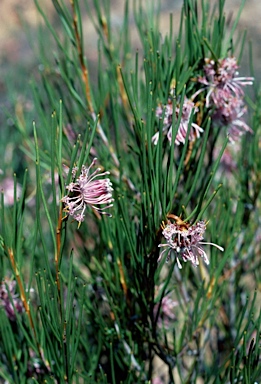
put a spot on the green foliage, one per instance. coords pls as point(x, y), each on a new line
point(95, 296)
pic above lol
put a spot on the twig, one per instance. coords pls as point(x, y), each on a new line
point(21, 288)
point(85, 77)
point(26, 305)
point(133, 362)
point(58, 247)
point(85, 74)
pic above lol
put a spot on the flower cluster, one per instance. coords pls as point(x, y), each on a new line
point(225, 94)
point(166, 113)
point(9, 300)
point(184, 242)
point(88, 190)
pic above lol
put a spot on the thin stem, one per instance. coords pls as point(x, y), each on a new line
point(58, 247)
point(122, 278)
point(21, 288)
point(85, 77)
point(10, 253)
point(85, 74)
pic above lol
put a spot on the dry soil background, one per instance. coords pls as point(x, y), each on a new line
point(16, 52)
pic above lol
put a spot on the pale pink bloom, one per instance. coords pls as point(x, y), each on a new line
point(184, 242)
point(222, 76)
point(69, 132)
point(157, 380)
point(7, 186)
point(88, 190)
point(228, 163)
point(166, 311)
point(166, 112)
point(225, 94)
point(229, 112)
point(9, 300)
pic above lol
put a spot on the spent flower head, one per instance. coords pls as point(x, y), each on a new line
point(184, 242)
point(9, 300)
point(89, 189)
point(166, 112)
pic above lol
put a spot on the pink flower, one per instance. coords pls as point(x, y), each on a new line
point(88, 190)
point(184, 241)
point(222, 76)
point(166, 311)
point(9, 300)
point(229, 112)
point(157, 380)
point(188, 108)
point(225, 93)
point(228, 163)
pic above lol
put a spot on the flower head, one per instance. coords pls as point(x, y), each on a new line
point(229, 112)
point(188, 108)
point(225, 94)
point(184, 241)
point(223, 76)
point(9, 300)
point(88, 190)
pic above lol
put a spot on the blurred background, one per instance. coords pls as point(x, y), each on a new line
point(17, 16)
point(20, 23)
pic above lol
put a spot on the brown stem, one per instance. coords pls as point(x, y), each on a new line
point(188, 154)
point(21, 288)
point(85, 77)
point(122, 279)
point(123, 94)
point(10, 253)
point(85, 74)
